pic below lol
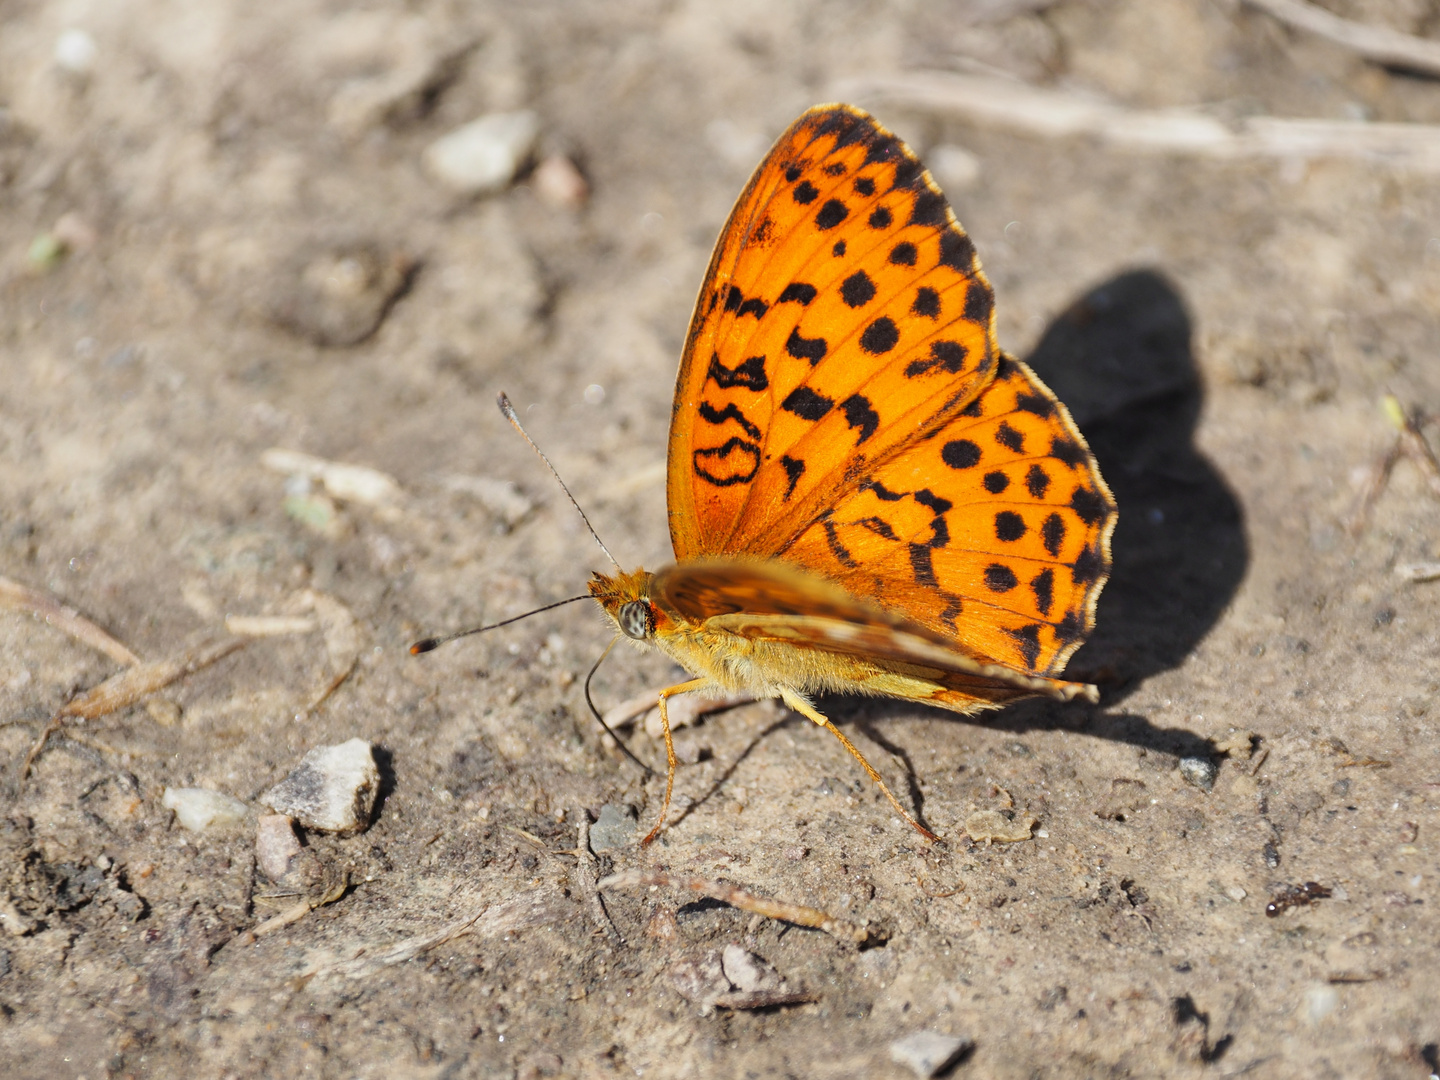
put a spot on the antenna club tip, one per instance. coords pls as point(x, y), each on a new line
point(505, 407)
point(424, 646)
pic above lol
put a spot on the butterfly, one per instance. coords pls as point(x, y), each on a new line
point(866, 495)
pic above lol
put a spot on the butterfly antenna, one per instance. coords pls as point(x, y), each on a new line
point(600, 719)
point(509, 411)
point(430, 643)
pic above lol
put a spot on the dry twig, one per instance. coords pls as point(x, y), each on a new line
point(850, 932)
point(22, 598)
point(127, 687)
point(1031, 110)
point(1377, 43)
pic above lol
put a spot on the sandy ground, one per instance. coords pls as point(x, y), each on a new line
point(1224, 331)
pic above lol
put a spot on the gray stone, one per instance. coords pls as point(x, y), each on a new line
point(1199, 771)
point(615, 829)
point(483, 155)
point(928, 1053)
point(332, 790)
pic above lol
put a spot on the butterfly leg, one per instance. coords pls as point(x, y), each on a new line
point(804, 708)
point(670, 762)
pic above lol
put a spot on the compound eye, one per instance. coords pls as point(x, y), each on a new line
point(636, 619)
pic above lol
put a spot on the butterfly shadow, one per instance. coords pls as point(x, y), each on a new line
point(1120, 357)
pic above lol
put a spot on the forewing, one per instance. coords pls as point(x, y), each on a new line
point(994, 532)
point(843, 315)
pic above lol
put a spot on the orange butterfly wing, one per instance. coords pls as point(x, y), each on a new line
point(842, 405)
point(842, 315)
point(994, 531)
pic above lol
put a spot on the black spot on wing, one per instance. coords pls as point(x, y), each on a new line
point(927, 303)
point(1070, 628)
point(832, 538)
point(979, 301)
point(1038, 404)
point(794, 469)
point(1000, 578)
point(749, 373)
point(880, 336)
point(839, 249)
point(859, 414)
point(1009, 438)
point(974, 408)
point(831, 214)
point(835, 168)
point(1027, 640)
point(730, 412)
point(805, 194)
point(946, 355)
point(879, 526)
point(857, 290)
point(736, 301)
point(864, 185)
point(904, 254)
point(960, 453)
point(884, 147)
point(792, 173)
point(996, 482)
point(797, 292)
point(927, 498)
point(811, 349)
point(922, 566)
point(909, 175)
point(958, 253)
point(807, 404)
point(1037, 481)
point(1009, 526)
point(881, 492)
point(1052, 532)
point(880, 218)
point(1067, 451)
point(1088, 567)
point(929, 210)
point(1087, 505)
point(1043, 586)
point(734, 462)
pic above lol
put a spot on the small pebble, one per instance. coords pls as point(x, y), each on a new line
point(198, 809)
point(1320, 1001)
point(614, 829)
point(748, 972)
point(275, 845)
point(332, 790)
point(1199, 772)
point(1236, 893)
point(991, 826)
point(928, 1053)
point(483, 155)
point(558, 182)
point(954, 167)
point(75, 51)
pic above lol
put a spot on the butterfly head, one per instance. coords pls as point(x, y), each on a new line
point(626, 599)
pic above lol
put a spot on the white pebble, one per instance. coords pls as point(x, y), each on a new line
point(927, 1052)
point(75, 51)
point(483, 155)
point(954, 167)
point(1320, 1001)
point(331, 790)
point(197, 809)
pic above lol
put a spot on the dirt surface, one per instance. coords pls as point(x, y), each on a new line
point(1223, 331)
